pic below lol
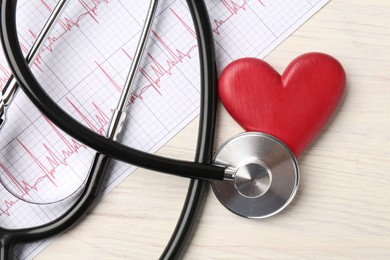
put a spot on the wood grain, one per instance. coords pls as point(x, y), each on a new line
point(342, 210)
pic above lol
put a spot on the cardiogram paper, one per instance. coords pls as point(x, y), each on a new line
point(83, 66)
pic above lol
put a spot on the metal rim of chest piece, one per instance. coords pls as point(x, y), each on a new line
point(266, 175)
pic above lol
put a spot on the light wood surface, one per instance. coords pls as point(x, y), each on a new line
point(342, 209)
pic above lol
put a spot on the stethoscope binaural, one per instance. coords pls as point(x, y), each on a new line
point(254, 174)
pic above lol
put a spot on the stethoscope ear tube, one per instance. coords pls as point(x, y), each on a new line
point(53, 112)
point(203, 154)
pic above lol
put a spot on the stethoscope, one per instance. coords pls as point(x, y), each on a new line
point(253, 174)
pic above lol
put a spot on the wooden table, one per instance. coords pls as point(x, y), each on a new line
point(342, 209)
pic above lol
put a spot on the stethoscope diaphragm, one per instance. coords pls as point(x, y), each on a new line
point(265, 175)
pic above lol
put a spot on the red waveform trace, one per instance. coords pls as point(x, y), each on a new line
point(54, 160)
point(176, 56)
point(113, 82)
point(37, 62)
point(8, 203)
point(46, 5)
point(160, 69)
point(100, 117)
point(5, 77)
point(233, 9)
point(72, 146)
point(133, 95)
point(67, 24)
point(181, 20)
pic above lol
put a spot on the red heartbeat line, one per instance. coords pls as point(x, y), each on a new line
point(160, 70)
point(67, 24)
point(6, 75)
point(176, 56)
point(100, 117)
point(233, 8)
point(54, 159)
point(46, 5)
point(72, 146)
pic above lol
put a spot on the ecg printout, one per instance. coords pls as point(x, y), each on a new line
point(83, 66)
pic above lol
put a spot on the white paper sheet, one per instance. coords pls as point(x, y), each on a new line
point(83, 66)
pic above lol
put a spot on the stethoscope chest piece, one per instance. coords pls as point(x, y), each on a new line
point(265, 179)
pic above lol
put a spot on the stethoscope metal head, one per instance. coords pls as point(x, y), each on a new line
point(265, 175)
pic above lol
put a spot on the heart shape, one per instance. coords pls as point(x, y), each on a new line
point(292, 107)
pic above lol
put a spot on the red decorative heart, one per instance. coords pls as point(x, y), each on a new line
point(292, 107)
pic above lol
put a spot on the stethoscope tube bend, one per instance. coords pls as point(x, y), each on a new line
point(108, 148)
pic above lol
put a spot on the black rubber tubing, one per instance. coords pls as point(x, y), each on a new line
point(197, 189)
point(203, 154)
